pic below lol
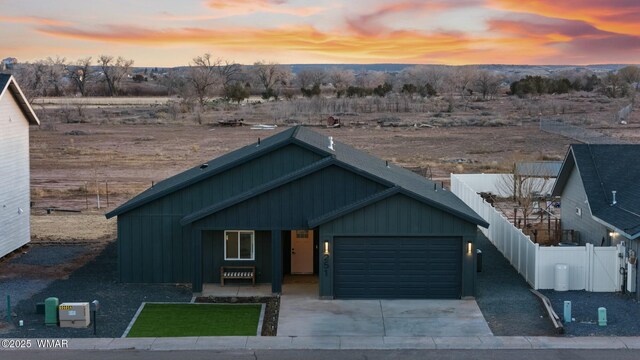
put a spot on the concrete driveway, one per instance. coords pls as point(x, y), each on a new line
point(303, 314)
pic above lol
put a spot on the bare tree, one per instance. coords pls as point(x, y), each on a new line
point(54, 75)
point(81, 74)
point(369, 79)
point(487, 83)
point(341, 79)
point(174, 82)
point(311, 77)
point(272, 77)
point(424, 80)
point(631, 75)
point(614, 86)
point(32, 78)
point(436, 76)
point(113, 71)
point(228, 71)
point(526, 186)
point(203, 76)
point(462, 79)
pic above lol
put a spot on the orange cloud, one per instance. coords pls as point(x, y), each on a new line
point(245, 7)
point(307, 44)
point(620, 16)
point(35, 20)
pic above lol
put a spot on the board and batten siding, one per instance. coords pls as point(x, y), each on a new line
point(400, 216)
point(574, 197)
point(154, 247)
point(291, 205)
point(14, 176)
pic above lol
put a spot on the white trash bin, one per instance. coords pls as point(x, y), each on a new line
point(562, 278)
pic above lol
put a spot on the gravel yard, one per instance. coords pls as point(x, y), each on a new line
point(504, 297)
point(94, 280)
point(623, 312)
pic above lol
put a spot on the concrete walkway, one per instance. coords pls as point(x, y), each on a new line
point(341, 342)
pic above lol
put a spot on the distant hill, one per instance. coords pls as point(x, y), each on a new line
point(507, 70)
point(501, 68)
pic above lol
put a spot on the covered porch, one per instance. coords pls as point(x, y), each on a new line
point(306, 285)
point(273, 257)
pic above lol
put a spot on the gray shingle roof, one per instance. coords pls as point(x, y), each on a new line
point(603, 169)
point(4, 79)
point(356, 160)
point(539, 168)
point(395, 175)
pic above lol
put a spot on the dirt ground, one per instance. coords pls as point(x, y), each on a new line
point(90, 159)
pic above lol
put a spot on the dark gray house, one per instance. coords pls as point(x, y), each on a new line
point(599, 190)
point(299, 202)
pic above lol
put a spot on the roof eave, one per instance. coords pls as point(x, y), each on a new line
point(565, 171)
point(26, 108)
point(616, 229)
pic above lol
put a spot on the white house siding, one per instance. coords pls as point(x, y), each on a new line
point(14, 176)
point(574, 197)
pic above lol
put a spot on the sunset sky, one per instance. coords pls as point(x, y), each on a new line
point(172, 32)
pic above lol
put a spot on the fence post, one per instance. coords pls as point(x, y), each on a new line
point(536, 259)
point(588, 248)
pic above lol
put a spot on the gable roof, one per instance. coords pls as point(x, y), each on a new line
point(341, 154)
point(604, 168)
point(8, 83)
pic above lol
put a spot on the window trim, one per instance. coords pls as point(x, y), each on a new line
point(253, 245)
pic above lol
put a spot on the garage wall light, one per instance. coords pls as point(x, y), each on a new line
point(612, 234)
point(326, 248)
point(469, 247)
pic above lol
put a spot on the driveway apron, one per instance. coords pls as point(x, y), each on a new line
point(303, 314)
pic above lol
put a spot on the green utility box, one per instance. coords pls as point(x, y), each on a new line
point(51, 311)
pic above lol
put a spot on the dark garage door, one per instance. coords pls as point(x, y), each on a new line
point(399, 268)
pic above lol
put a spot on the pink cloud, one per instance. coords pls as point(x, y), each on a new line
point(35, 20)
point(245, 7)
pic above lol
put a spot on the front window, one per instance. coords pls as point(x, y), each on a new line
point(239, 245)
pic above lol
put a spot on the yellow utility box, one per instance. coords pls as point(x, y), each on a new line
point(74, 315)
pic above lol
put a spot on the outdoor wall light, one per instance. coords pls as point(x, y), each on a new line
point(612, 233)
point(326, 248)
point(469, 247)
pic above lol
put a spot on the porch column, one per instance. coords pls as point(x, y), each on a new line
point(196, 257)
point(276, 261)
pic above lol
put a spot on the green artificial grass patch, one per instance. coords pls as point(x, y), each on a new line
point(173, 320)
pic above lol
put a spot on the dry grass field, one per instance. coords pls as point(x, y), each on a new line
point(78, 152)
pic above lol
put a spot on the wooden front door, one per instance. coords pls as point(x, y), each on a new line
point(302, 251)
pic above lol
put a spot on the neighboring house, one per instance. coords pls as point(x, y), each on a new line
point(599, 190)
point(535, 176)
point(15, 117)
point(298, 202)
point(8, 63)
point(538, 169)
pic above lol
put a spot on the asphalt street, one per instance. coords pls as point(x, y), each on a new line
point(564, 354)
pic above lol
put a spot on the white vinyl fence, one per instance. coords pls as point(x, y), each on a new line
point(590, 268)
